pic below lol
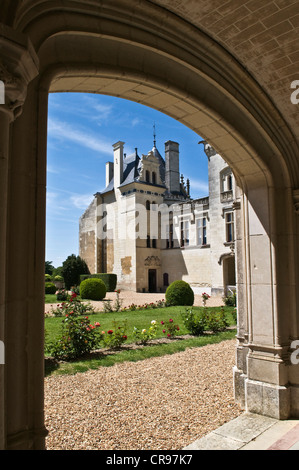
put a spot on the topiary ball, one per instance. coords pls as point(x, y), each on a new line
point(92, 289)
point(179, 293)
point(50, 288)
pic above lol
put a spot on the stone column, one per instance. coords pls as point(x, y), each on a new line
point(18, 66)
point(265, 302)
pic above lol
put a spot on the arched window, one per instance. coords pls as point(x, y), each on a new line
point(226, 180)
point(147, 176)
point(154, 178)
point(148, 205)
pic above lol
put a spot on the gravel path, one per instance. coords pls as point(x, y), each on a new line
point(161, 403)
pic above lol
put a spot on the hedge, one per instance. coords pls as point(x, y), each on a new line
point(109, 279)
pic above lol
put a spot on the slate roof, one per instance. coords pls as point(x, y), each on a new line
point(131, 170)
point(131, 173)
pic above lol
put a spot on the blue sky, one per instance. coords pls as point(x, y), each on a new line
point(81, 131)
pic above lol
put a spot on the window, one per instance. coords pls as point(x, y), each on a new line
point(202, 231)
point(148, 241)
point(165, 279)
point(147, 176)
point(154, 178)
point(229, 226)
point(148, 205)
point(226, 180)
point(169, 236)
point(185, 233)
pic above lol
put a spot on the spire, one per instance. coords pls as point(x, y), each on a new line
point(154, 135)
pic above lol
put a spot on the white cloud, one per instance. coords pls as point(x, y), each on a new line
point(64, 131)
point(199, 185)
point(50, 169)
point(136, 122)
point(81, 201)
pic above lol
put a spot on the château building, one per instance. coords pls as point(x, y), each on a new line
point(146, 228)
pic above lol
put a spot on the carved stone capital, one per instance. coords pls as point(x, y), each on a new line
point(208, 149)
point(18, 67)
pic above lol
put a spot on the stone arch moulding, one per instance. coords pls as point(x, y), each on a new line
point(138, 51)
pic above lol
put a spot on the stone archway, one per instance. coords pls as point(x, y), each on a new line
point(138, 53)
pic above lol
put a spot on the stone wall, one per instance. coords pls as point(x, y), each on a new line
point(87, 236)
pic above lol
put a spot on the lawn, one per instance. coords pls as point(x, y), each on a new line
point(50, 299)
point(129, 351)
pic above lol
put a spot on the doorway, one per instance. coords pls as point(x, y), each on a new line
point(229, 274)
point(152, 280)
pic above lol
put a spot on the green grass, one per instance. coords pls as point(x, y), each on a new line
point(51, 299)
point(129, 352)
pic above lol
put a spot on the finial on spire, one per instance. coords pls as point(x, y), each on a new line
point(154, 134)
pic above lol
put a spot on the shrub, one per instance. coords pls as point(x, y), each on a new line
point(117, 336)
point(143, 336)
point(170, 329)
point(179, 293)
point(61, 294)
point(194, 322)
point(73, 306)
point(71, 270)
point(48, 278)
point(216, 321)
point(58, 278)
point(50, 288)
point(109, 279)
point(92, 289)
point(78, 337)
point(231, 299)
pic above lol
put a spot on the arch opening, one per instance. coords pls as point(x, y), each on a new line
point(205, 89)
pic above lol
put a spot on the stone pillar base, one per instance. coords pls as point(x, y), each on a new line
point(239, 387)
point(267, 399)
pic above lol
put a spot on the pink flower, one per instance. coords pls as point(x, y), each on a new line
point(110, 332)
point(170, 320)
point(164, 331)
point(162, 322)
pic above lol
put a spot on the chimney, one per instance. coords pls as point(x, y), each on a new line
point(172, 166)
point(109, 172)
point(118, 163)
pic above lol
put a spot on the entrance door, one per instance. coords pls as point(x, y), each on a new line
point(152, 280)
point(229, 273)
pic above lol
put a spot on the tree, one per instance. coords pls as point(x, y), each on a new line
point(49, 268)
point(71, 270)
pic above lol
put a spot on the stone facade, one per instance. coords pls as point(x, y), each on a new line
point(145, 227)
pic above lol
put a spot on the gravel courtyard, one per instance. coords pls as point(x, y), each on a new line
point(160, 403)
